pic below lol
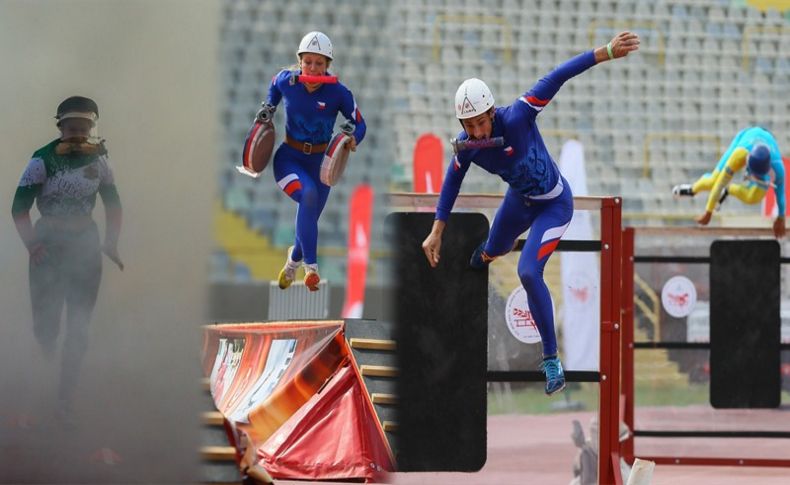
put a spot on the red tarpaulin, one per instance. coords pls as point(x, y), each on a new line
point(294, 390)
point(333, 436)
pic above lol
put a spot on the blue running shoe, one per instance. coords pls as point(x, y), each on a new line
point(555, 377)
point(480, 260)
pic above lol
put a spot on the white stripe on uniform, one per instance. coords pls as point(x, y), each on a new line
point(554, 233)
point(287, 179)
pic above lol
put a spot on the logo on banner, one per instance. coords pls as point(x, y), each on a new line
point(679, 296)
point(519, 318)
point(581, 289)
point(359, 250)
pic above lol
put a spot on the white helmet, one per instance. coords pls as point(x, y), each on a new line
point(472, 98)
point(317, 43)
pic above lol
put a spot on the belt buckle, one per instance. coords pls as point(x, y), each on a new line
point(307, 148)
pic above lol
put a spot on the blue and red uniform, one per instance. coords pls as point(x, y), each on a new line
point(538, 197)
point(309, 118)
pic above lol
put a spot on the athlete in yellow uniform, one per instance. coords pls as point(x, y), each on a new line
point(755, 149)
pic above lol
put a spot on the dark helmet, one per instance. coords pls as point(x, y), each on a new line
point(77, 107)
point(759, 159)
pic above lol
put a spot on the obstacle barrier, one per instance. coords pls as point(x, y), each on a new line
point(756, 270)
point(418, 332)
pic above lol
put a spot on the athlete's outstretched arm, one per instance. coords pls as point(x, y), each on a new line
point(779, 188)
point(544, 90)
point(450, 188)
point(620, 46)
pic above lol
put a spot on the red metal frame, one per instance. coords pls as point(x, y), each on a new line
point(609, 391)
point(627, 378)
point(710, 461)
point(627, 310)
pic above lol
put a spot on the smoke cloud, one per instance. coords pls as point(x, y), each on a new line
point(151, 67)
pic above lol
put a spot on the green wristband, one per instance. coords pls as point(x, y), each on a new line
point(609, 50)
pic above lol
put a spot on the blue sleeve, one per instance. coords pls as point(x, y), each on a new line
point(349, 109)
point(779, 184)
point(541, 93)
point(451, 186)
point(275, 94)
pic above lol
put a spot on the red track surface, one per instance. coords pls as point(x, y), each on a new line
point(538, 449)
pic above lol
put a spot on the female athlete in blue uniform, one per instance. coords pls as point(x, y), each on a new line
point(538, 197)
point(311, 110)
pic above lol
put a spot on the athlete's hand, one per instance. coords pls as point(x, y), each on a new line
point(352, 144)
point(38, 253)
point(704, 219)
point(111, 250)
point(266, 113)
point(779, 227)
point(432, 245)
point(623, 43)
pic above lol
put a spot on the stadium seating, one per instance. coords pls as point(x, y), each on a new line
point(705, 70)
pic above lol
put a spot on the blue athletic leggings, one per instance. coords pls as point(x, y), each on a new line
point(298, 175)
point(547, 221)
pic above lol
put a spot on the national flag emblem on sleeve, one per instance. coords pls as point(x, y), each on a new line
point(357, 114)
point(509, 151)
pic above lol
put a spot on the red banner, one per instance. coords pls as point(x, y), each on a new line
point(361, 210)
point(428, 154)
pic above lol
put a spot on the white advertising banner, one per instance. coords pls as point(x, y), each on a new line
point(580, 314)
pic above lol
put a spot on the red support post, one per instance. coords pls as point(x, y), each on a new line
point(609, 396)
point(627, 301)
